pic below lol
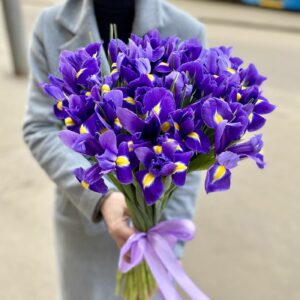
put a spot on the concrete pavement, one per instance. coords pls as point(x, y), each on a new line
point(247, 245)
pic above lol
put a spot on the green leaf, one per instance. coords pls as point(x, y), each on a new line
point(202, 162)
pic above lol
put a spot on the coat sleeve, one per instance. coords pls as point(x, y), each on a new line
point(40, 133)
point(183, 201)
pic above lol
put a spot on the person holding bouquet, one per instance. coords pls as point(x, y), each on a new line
point(90, 229)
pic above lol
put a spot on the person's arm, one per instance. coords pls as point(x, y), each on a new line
point(40, 131)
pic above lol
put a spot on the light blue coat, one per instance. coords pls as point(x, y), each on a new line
point(87, 256)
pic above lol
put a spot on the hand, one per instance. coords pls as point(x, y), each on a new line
point(115, 214)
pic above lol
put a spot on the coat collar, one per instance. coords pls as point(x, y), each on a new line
point(78, 17)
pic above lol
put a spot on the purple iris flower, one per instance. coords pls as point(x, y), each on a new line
point(250, 76)
point(219, 175)
point(260, 107)
point(229, 121)
point(106, 110)
point(61, 102)
point(115, 158)
point(159, 162)
point(78, 67)
point(91, 179)
point(164, 102)
point(193, 138)
point(159, 101)
point(251, 149)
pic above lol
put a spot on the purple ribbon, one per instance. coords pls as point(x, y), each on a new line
point(156, 247)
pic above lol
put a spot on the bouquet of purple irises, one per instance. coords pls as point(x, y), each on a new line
point(167, 108)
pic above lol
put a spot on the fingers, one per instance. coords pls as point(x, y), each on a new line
point(122, 230)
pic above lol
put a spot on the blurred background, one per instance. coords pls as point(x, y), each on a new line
point(248, 240)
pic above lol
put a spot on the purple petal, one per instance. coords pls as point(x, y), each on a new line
point(108, 141)
point(256, 122)
point(91, 179)
point(217, 179)
point(144, 155)
point(228, 159)
point(152, 186)
point(129, 120)
point(197, 141)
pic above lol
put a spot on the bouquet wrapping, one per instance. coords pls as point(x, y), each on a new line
point(168, 108)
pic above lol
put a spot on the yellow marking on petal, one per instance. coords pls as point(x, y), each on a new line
point(262, 151)
point(222, 98)
point(105, 88)
point(69, 122)
point(180, 167)
point(59, 105)
point(165, 126)
point(164, 64)
point(194, 135)
point(85, 184)
point(259, 101)
point(219, 173)
point(216, 76)
point(250, 117)
point(157, 108)
point(178, 146)
point(80, 72)
point(176, 125)
point(113, 71)
point(243, 87)
point(157, 149)
point(150, 76)
point(148, 180)
point(122, 161)
point(129, 100)
point(95, 55)
point(230, 70)
point(117, 122)
point(238, 97)
point(83, 129)
point(218, 118)
point(88, 94)
point(130, 143)
point(113, 65)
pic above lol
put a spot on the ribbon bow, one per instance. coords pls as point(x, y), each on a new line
point(156, 247)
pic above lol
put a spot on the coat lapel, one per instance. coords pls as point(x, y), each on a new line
point(78, 17)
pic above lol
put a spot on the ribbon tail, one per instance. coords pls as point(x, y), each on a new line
point(169, 260)
point(160, 274)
